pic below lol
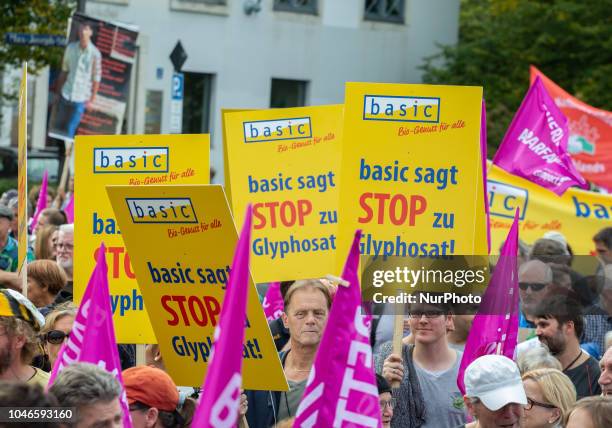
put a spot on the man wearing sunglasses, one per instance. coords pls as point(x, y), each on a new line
point(535, 280)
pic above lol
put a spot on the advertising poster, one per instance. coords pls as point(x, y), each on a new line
point(91, 92)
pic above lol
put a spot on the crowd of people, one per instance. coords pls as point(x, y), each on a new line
point(560, 377)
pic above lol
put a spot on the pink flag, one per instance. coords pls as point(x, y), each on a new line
point(69, 209)
point(483, 158)
point(220, 400)
point(341, 389)
point(42, 200)
point(495, 327)
point(535, 145)
point(92, 339)
point(273, 304)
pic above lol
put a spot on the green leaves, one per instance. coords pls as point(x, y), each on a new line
point(569, 41)
point(34, 17)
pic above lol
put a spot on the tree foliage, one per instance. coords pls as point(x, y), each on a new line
point(569, 41)
point(33, 17)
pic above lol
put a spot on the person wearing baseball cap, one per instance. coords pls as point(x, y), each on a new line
point(153, 398)
point(494, 393)
point(20, 322)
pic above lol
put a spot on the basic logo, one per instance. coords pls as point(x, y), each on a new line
point(161, 210)
point(401, 109)
point(504, 199)
point(261, 131)
point(113, 160)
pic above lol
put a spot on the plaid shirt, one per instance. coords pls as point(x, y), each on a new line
point(597, 323)
point(83, 66)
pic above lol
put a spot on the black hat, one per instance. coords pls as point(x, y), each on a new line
point(382, 384)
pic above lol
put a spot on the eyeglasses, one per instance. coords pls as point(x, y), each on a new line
point(531, 403)
point(56, 337)
point(391, 403)
point(535, 286)
point(428, 314)
point(62, 246)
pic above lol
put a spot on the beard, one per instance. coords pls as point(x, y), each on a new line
point(555, 344)
point(6, 357)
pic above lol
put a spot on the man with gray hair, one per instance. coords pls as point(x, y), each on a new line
point(64, 257)
point(93, 392)
point(65, 249)
point(535, 280)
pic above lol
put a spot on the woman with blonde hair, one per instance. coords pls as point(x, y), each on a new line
point(550, 396)
point(57, 328)
point(44, 247)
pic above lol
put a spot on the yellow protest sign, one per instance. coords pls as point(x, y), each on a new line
point(22, 179)
point(286, 162)
point(226, 171)
point(182, 241)
point(578, 214)
point(136, 160)
point(411, 173)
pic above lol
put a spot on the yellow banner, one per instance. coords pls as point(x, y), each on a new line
point(411, 172)
point(578, 214)
point(22, 179)
point(285, 162)
point(182, 241)
point(136, 160)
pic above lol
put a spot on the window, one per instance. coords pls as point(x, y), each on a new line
point(153, 112)
point(288, 93)
point(297, 6)
point(385, 10)
point(196, 103)
point(216, 7)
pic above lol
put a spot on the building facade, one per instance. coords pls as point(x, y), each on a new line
point(254, 54)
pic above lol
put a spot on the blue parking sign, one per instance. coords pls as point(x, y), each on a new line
point(178, 80)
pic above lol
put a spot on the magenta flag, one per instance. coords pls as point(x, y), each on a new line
point(535, 145)
point(341, 389)
point(220, 400)
point(273, 304)
point(92, 339)
point(69, 209)
point(483, 158)
point(42, 200)
point(495, 327)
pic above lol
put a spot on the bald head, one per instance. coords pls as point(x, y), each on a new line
point(535, 271)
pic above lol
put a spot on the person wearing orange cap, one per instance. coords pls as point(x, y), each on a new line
point(153, 398)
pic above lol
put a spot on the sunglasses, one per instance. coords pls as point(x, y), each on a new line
point(535, 286)
point(56, 337)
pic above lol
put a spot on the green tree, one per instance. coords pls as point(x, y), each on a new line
point(33, 17)
point(569, 41)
